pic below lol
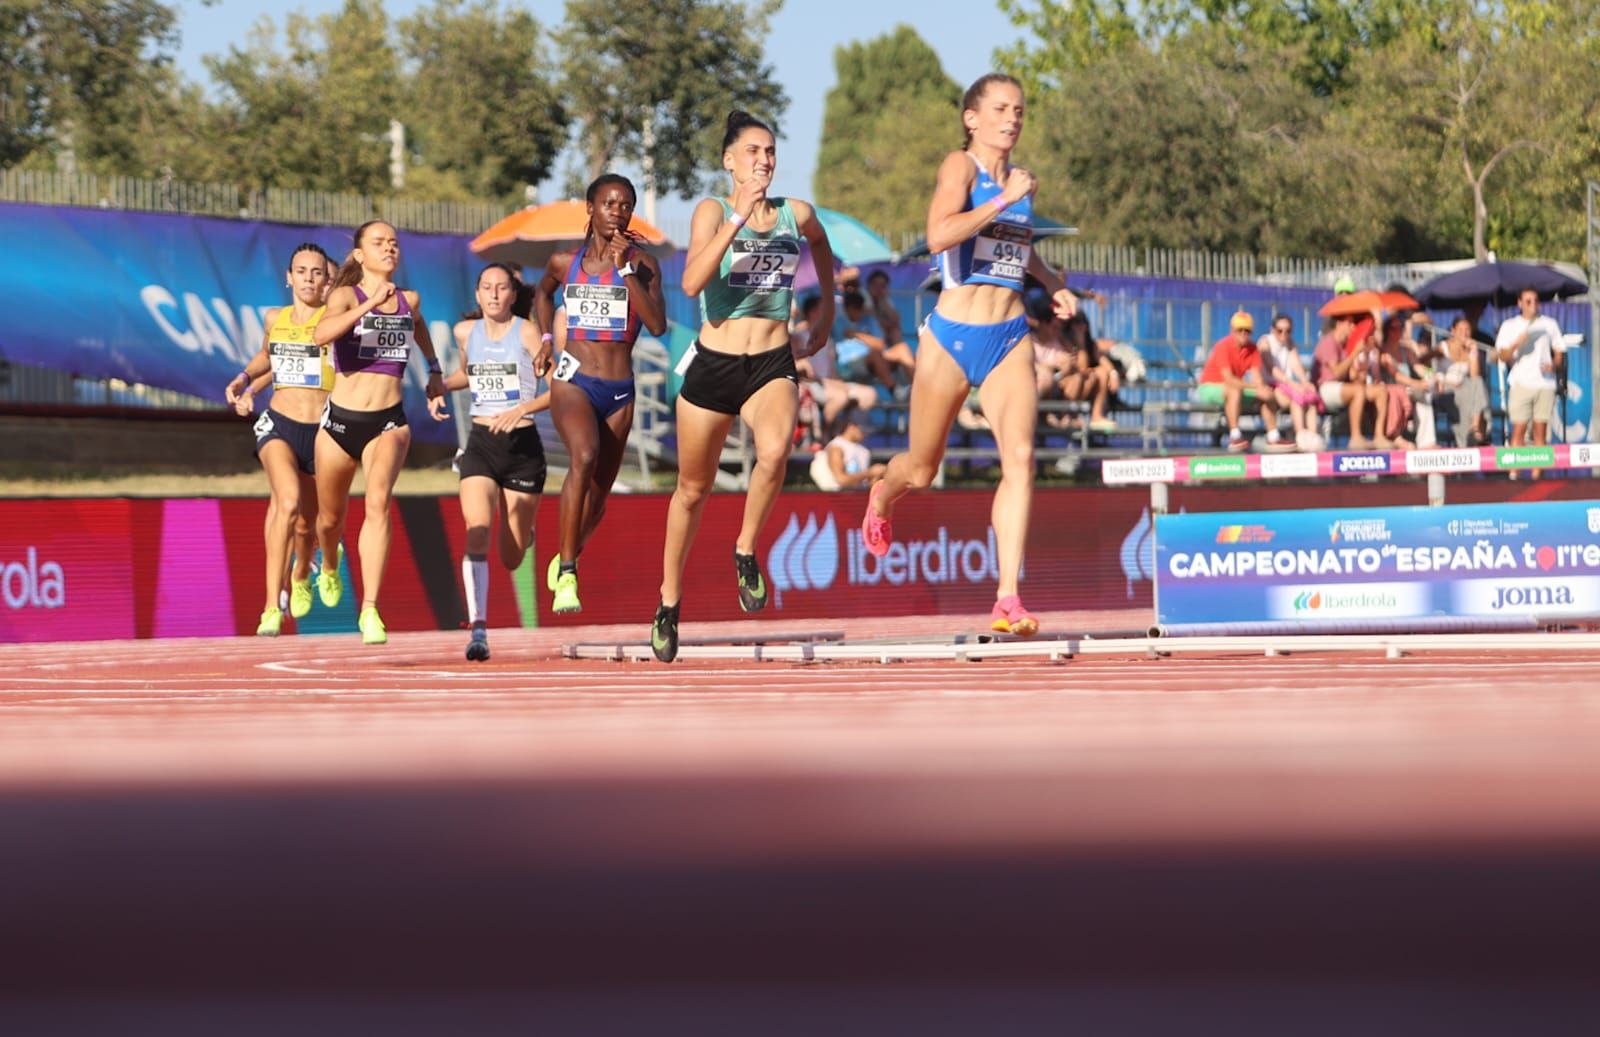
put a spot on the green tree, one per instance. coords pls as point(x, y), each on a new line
point(888, 121)
point(88, 82)
point(652, 81)
point(315, 115)
point(482, 113)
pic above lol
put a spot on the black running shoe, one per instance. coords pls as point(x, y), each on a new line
point(752, 585)
point(478, 647)
point(664, 633)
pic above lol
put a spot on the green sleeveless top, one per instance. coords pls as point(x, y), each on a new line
point(756, 278)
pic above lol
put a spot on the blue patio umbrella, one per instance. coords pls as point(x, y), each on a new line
point(1497, 283)
point(1043, 227)
point(853, 242)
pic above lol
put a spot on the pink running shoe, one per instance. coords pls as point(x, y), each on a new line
point(1009, 617)
point(875, 532)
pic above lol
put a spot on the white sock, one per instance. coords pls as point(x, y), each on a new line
point(1273, 435)
point(475, 578)
point(1233, 433)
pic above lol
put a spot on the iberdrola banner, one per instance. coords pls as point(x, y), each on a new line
point(1485, 560)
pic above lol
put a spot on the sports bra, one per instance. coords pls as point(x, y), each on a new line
point(998, 254)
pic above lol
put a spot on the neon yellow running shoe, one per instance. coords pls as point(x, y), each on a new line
point(566, 599)
point(299, 597)
point(271, 622)
point(552, 571)
point(371, 624)
point(329, 587)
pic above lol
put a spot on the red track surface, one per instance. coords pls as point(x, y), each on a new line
point(306, 817)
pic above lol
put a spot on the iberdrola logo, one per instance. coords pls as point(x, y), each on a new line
point(1309, 601)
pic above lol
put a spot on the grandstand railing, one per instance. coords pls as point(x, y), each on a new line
point(279, 205)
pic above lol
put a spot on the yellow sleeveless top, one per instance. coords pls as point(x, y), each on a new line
point(297, 361)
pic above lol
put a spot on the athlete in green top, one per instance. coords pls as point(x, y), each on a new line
point(743, 254)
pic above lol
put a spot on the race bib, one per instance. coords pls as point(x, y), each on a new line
point(295, 365)
point(385, 336)
point(1001, 251)
point(566, 367)
point(494, 385)
point(597, 307)
point(764, 267)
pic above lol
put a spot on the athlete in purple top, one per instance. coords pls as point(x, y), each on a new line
point(372, 326)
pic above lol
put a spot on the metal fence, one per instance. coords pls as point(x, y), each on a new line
point(276, 204)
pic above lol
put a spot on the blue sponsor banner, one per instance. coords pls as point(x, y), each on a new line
point(1508, 560)
point(176, 301)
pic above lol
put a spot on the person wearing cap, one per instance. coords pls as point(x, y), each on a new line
point(1345, 285)
point(1232, 378)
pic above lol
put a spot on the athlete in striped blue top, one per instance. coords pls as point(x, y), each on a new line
point(981, 224)
point(610, 288)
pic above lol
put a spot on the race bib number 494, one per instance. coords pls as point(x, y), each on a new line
point(1002, 251)
point(764, 266)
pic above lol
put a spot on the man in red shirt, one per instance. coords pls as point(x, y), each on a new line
point(1232, 378)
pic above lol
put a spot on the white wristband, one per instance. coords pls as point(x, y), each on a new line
point(737, 221)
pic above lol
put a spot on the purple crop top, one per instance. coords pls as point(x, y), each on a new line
point(379, 343)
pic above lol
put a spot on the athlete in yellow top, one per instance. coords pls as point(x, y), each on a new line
point(286, 433)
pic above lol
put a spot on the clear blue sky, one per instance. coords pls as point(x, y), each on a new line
point(800, 48)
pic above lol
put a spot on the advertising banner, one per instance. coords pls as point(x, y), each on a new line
point(177, 300)
point(105, 569)
point(1500, 560)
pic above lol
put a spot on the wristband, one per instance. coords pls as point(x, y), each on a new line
point(999, 205)
point(434, 367)
point(245, 374)
point(737, 221)
point(547, 337)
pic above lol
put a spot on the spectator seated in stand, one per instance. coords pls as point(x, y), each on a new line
point(1460, 391)
point(1341, 366)
point(1231, 380)
point(1067, 364)
point(863, 354)
point(1410, 390)
point(819, 375)
point(845, 463)
point(1291, 386)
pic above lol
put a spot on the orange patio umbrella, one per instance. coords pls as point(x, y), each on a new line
point(1359, 304)
point(529, 237)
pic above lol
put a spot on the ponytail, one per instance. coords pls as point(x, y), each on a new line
point(738, 122)
point(349, 274)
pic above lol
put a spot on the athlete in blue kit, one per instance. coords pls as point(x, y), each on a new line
point(980, 223)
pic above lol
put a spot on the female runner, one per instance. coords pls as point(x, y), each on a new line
point(503, 463)
point(286, 432)
point(609, 289)
point(980, 223)
point(743, 253)
point(372, 326)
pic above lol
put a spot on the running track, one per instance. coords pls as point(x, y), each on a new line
point(254, 836)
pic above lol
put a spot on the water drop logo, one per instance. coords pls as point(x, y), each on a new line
point(804, 557)
point(1309, 601)
point(1139, 552)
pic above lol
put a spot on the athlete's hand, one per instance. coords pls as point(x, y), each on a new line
point(1064, 304)
point(244, 404)
point(1019, 184)
point(506, 420)
point(543, 357)
point(380, 295)
point(817, 339)
point(751, 193)
point(435, 386)
point(236, 388)
point(617, 250)
point(436, 408)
